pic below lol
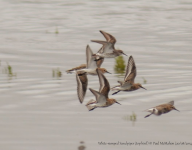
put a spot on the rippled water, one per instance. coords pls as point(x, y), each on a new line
point(38, 111)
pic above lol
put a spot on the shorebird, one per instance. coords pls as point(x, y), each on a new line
point(83, 66)
point(81, 74)
point(108, 49)
point(82, 82)
point(102, 99)
point(128, 83)
point(91, 64)
point(90, 67)
point(161, 109)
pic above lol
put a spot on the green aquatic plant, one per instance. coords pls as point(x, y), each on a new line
point(8, 70)
point(119, 65)
point(131, 118)
point(56, 31)
point(53, 73)
point(56, 73)
point(144, 80)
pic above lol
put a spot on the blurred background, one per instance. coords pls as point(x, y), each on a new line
point(41, 39)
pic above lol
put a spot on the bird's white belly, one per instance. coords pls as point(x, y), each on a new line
point(106, 55)
point(119, 88)
point(126, 86)
point(90, 71)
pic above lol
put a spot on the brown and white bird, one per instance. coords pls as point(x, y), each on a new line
point(102, 99)
point(90, 67)
point(81, 73)
point(128, 83)
point(83, 66)
point(161, 109)
point(108, 49)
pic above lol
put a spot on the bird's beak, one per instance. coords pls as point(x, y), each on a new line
point(108, 72)
point(176, 109)
point(118, 103)
point(143, 87)
point(124, 54)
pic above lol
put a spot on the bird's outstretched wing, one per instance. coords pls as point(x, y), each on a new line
point(81, 85)
point(104, 84)
point(131, 71)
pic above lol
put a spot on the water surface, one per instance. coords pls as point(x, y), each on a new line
point(38, 111)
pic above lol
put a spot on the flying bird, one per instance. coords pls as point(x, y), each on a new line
point(128, 83)
point(81, 74)
point(102, 99)
point(83, 66)
point(108, 49)
point(161, 109)
point(90, 67)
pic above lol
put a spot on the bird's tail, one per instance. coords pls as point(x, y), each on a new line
point(115, 88)
point(91, 107)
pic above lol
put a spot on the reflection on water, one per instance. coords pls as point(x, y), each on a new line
point(82, 146)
